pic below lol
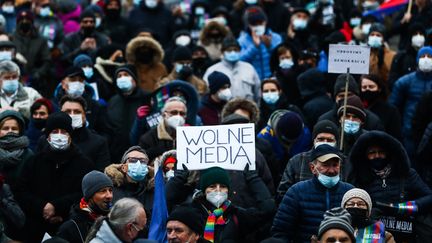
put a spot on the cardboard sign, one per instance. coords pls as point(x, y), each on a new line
point(354, 57)
point(227, 146)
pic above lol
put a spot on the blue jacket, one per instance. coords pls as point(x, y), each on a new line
point(406, 93)
point(259, 56)
point(302, 208)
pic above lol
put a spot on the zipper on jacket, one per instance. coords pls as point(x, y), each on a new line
point(384, 185)
point(328, 199)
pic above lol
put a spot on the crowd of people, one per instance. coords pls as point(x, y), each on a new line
point(93, 91)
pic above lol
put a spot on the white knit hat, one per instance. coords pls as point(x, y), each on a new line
point(359, 193)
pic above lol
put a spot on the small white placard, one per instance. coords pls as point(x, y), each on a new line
point(354, 57)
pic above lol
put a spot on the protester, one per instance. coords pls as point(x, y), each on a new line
point(183, 226)
point(336, 227)
point(39, 111)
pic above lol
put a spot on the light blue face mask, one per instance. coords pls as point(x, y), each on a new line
point(286, 63)
point(45, 12)
point(76, 88)
point(328, 181)
point(271, 97)
point(375, 41)
point(10, 86)
point(178, 67)
point(351, 127)
point(124, 83)
point(88, 72)
point(232, 56)
point(137, 171)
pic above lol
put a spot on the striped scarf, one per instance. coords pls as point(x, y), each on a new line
point(215, 218)
point(85, 207)
point(374, 233)
point(408, 208)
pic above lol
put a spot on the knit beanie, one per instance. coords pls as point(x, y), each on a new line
point(188, 216)
point(325, 126)
point(87, 14)
point(58, 120)
point(230, 42)
point(93, 181)
point(377, 27)
point(133, 148)
point(130, 69)
point(359, 193)
point(424, 50)
point(336, 218)
point(212, 176)
point(339, 85)
point(254, 15)
point(289, 126)
point(182, 53)
point(16, 115)
point(354, 106)
point(217, 80)
point(82, 60)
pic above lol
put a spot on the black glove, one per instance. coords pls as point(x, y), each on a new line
point(184, 174)
point(249, 174)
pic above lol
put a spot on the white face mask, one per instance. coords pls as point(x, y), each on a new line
point(299, 24)
point(375, 41)
point(259, 30)
point(169, 174)
point(183, 40)
point(59, 141)
point(151, 3)
point(77, 121)
point(175, 121)
point(217, 198)
point(5, 55)
point(75, 88)
point(425, 64)
point(321, 143)
point(417, 41)
point(225, 94)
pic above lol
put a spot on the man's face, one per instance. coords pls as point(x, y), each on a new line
point(60, 131)
point(351, 117)
point(175, 108)
point(9, 126)
point(41, 113)
point(178, 232)
point(325, 137)
point(66, 80)
point(74, 108)
point(103, 198)
point(216, 188)
point(330, 167)
point(9, 76)
point(113, 5)
point(87, 23)
point(340, 96)
point(335, 235)
point(376, 152)
point(134, 228)
point(133, 157)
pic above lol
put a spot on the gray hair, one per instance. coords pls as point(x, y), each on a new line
point(123, 212)
point(9, 67)
point(174, 99)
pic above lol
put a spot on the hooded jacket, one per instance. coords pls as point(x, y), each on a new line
point(213, 48)
point(22, 100)
point(149, 71)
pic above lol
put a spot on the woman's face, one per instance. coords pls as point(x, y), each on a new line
point(9, 126)
point(286, 55)
point(270, 87)
point(216, 188)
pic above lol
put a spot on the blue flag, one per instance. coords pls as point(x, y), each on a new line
point(160, 211)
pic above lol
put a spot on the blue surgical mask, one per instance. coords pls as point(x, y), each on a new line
point(10, 86)
point(300, 24)
point(8, 9)
point(232, 56)
point(328, 181)
point(137, 171)
point(271, 97)
point(124, 83)
point(355, 21)
point(286, 63)
point(76, 88)
point(375, 41)
point(88, 72)
point(351, 127)
point(178, 67)
point(137, 2)
point(45, 12)
point(5, 55)
point(259, 29)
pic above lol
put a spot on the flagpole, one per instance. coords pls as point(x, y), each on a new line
point(344, 111)
point(409, 6)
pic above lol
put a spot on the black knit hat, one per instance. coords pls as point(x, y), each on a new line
point(58, 120)
point(217, 80)
point(73, 71)
point(15, 115)
point(212, 176)
point(354, 106)
point(325, 126)
point(230, 42)
point(93, 181)
point(289, 126)
point(190, 217)
point(339, 85)
point(378, 27)
point(336, 218)
point(130, 69)
point(87, 14)
point(182, 53)
point(254, 15)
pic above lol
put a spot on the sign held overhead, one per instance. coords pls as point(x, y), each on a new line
point(354, 58)
point(227, 146)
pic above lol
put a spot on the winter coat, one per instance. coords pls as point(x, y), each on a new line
point(105, 234)
point(302, 208)
point(10, 24)
point(92, 145)
point(106, 69)
point(33, 134)
point(54, 177)
point(150, 73)
point(245, 82)
point(21, 101)
point(278, 21)
point(389, 116)
point(210, 111)
point(213, 48)
point(121, 112)
point(117, 29)
point(51, 28)
point(404, 62)
point(13, 172)
point(198, 83)
point(375, 65)
point(77, 227)
point(259, 56)
point(157, 141)
point(142, 191)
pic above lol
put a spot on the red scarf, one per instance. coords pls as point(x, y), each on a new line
point(85, 207)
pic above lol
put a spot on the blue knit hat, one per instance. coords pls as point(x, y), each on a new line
point(93, 181)
point(424, 50)
point(82, 60)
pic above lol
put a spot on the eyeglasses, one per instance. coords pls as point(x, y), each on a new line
point(354, 204)
point(134, 160)
point(176, 112)
point(136, 227)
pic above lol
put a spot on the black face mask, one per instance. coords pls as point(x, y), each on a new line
point(303, 67)
point(185, 73)
point(99, 211)
point(112, 13)
point(378, 163)
point(369, 96)
point(39, 123)
point(199, 62)
point(87, 31)
point(359, 217)
point(25, 26)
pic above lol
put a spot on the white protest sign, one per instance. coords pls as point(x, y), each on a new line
point(227, 146)
point(354, 57)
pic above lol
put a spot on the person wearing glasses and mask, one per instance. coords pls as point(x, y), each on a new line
point(161, 138)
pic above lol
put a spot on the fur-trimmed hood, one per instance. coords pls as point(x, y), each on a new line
point(208, 28)
point(244, 104)
point(144, 42)
point(396, 154)
point(114, 172)
point(106, 68)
